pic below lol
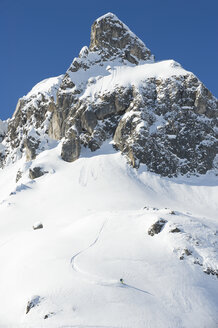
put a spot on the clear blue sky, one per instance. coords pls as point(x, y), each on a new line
point(40, 38)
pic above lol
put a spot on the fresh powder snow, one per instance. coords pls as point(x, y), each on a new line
point(96, 213)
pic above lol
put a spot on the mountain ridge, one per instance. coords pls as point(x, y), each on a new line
point(158, 114)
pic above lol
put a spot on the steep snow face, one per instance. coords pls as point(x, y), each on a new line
point(96, 215)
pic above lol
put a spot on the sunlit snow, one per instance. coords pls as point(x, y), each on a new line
point(96, 213)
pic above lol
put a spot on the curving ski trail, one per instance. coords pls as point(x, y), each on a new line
point(94, 279)
point(72, 261)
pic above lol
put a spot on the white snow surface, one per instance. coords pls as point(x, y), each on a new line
point(108, 15)
point(98, 79)
point(124, 76)
point(48, 87)
point(96, 213)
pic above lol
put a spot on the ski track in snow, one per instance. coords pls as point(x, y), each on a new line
point(83, 250)
point(104, 186)
point(95, 279)
point(86, 174)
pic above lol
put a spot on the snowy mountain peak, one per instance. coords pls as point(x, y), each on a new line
point(118, 223)
point(156, 113)
point(111, 41)
point(112, 36)
point(109, 15)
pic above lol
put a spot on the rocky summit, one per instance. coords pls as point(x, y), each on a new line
point(156, 113)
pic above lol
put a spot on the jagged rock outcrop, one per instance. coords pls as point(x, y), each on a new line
point(27, 130)
point(158, 114)
point(168, 134)
point(37, 225)
point(36, 172)
point(112, 38)
point(19, 175)
point(3, 129)
point(71, 147)
point(157, 227)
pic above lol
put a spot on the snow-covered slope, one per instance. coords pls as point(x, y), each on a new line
point(126, 76)
point(48, 87)
point(109, 194)
point(96, 214)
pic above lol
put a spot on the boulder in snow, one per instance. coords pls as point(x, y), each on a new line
point(37, 225)
point(175, 230)
point(70, 149)
point(19, 175)
point(211, 271)
point(157, 227)
point(48, 315)
point(36, 172)
point(186, 252)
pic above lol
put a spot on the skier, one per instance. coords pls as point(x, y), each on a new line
point(121, 280)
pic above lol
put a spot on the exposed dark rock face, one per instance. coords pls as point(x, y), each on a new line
point(36, 172)
point(48, 315)
point(211, 271)
point(157, 227)
point(27, 131)
point(167, 119)
point(183, 141)
point(175, 230)
point(186, 252)
point(3, 129)
point(19, 175)
point(110, 35)
point(31, 145)
point(70, 150)
point(37, 225)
